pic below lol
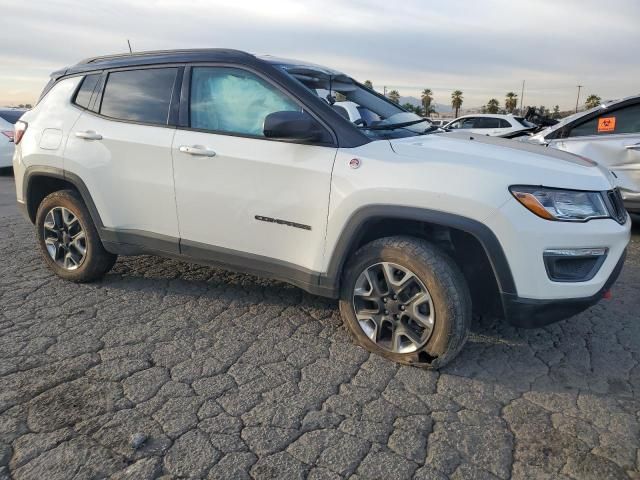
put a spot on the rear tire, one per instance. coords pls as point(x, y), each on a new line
point(406, 270)
point(68, 239)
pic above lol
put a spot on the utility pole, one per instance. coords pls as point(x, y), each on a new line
point(522, 99)
point(129, 43)
point(385, 90)
point(578, 98)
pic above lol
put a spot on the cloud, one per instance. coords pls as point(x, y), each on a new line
point(483, 48)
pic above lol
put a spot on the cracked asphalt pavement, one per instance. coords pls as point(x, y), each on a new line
point(172, 369)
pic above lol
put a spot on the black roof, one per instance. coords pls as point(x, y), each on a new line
point(346, 134)
point(159, 57)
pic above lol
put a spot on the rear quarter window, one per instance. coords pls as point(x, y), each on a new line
point(139, 95)
point(83, 97)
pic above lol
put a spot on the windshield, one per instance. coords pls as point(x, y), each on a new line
point(372, 113)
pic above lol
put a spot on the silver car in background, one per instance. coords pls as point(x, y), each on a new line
point(608, 134)
point(8, 117)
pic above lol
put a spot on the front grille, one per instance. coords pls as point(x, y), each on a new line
point(615, 205)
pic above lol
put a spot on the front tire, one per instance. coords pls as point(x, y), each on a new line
point(69, 240)
point(405, 299)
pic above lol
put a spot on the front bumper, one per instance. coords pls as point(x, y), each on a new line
point(533, 313)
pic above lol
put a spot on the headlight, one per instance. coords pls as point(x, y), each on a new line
point(565, 205)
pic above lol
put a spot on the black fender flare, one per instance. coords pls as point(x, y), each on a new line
point(60, 174)
point(354, 228)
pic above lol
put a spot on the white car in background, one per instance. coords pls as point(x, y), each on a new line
point(608, 134)
point(8, 117)
point(494, 125)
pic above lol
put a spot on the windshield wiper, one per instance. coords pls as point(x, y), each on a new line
point(431, 129)
point(393, 126)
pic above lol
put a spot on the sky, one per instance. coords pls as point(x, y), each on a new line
point(484, 48)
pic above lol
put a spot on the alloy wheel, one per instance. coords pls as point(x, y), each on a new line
point(64, 238)
point(393, 307)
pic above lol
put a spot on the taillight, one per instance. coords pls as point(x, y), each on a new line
point(8, 134)
point(19, 128)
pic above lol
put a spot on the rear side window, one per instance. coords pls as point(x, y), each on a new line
point(139, 95)
point(487, 122)
point(83, 97)
point(623, 120)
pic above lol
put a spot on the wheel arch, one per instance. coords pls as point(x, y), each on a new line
point(371, 222)
point(40, 181)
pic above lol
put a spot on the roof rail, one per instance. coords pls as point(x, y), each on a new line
point(146, 53)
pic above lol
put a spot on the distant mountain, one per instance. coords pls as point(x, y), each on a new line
point(440, 108)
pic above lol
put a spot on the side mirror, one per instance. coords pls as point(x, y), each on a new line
point(292, 126)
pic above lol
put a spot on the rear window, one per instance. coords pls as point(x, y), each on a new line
point(139, 95)
point(11, 116)
point(83, 97)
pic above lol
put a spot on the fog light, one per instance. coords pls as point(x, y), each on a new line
point(573, 264)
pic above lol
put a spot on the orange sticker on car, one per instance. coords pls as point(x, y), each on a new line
point(606, 124)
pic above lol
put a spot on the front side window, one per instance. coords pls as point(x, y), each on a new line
point(83, 97)
point(623, 120)
point(139, 95)
point(463, 123)
point(234, 101)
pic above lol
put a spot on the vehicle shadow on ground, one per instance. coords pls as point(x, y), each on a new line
point(563, 357)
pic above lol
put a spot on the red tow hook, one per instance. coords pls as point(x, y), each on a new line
point(607, 295)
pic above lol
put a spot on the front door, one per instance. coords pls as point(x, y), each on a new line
point(240, 196)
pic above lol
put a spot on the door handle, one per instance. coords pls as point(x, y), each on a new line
point(198, 150)
point(633, 147)
point(89, 135)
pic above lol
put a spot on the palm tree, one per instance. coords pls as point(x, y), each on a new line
point(593, 100)
point(394, 96)
point(368, 84)
point(407, 106)
point(493, 106)
point(456, 100)
point(511, 102)
point(427, 98)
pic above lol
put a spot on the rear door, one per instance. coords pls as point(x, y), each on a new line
point(240, 196)
point(611, 138)
point(121, 148)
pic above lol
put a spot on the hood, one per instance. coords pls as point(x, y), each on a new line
point(519, 162)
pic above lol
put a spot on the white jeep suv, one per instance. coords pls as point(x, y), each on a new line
point(222, 157)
